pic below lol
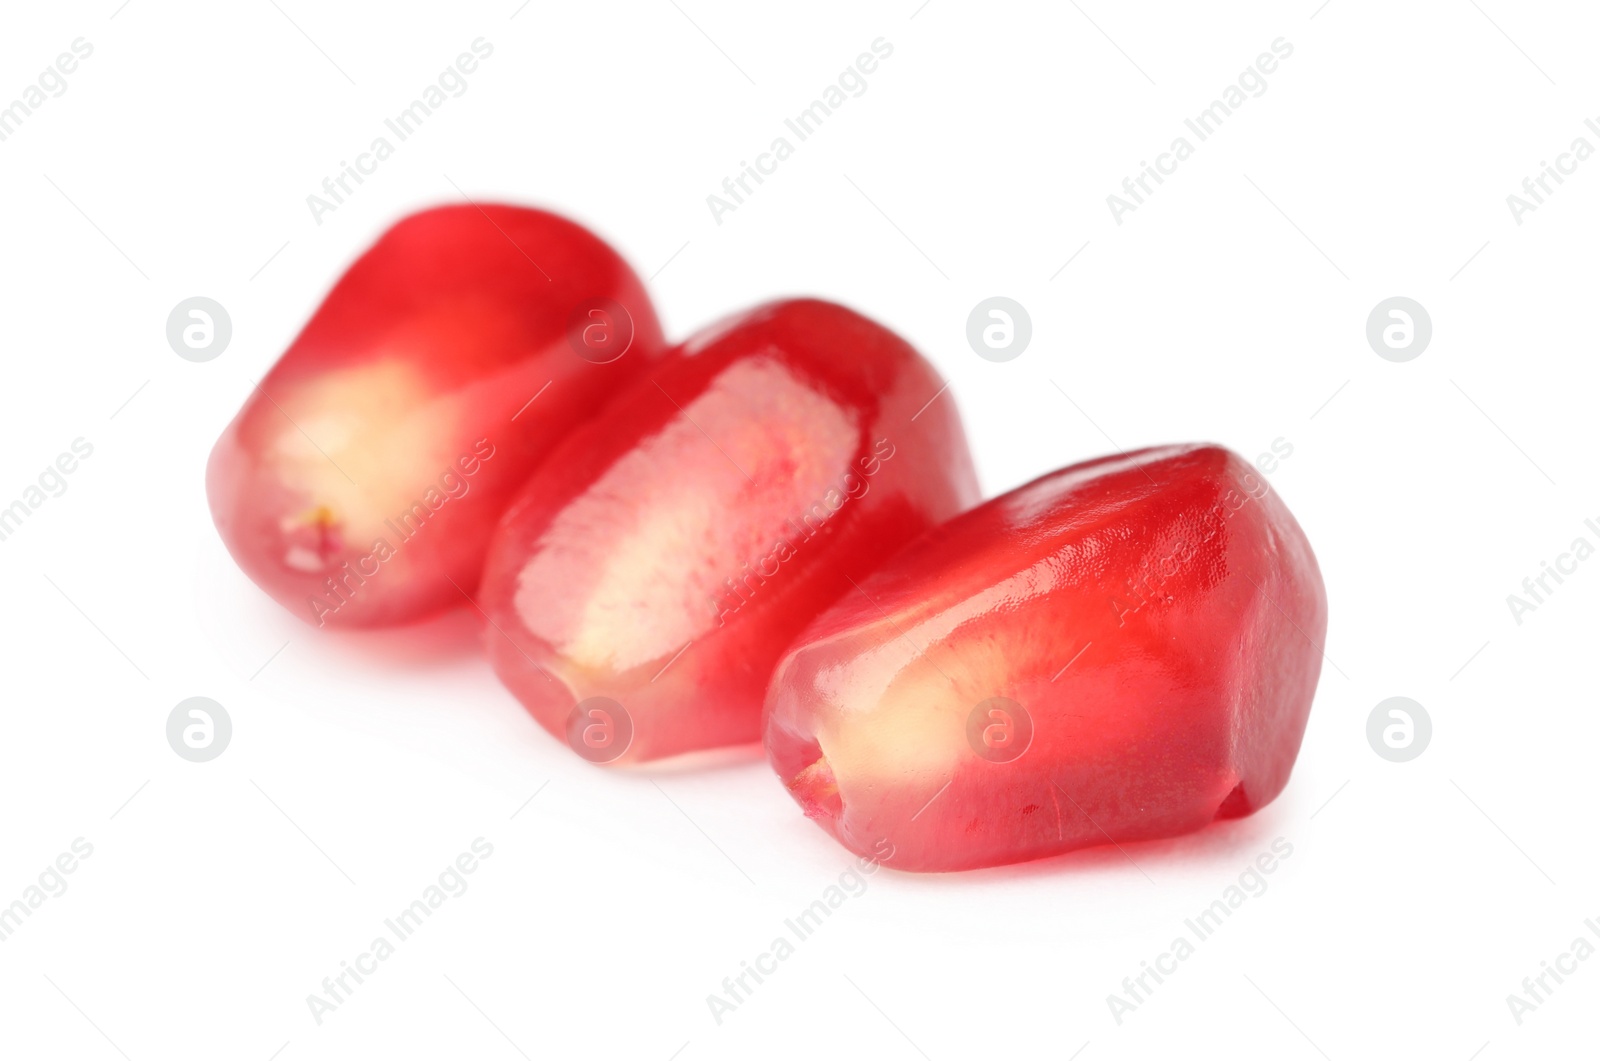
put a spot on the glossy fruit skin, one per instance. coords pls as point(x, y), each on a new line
point(1158, 616)
point(361, 481)
point(720, 506)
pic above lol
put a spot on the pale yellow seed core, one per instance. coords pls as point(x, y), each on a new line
point(361, 445)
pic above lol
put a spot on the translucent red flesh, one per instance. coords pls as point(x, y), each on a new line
point(672, 547)
point(1154, 619)
point(361, 481)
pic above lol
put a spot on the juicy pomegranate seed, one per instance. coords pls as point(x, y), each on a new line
point(1122, 650)
point(645, 582)
point(362, 479)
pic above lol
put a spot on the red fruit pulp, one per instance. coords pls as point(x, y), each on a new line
point(1121, 650)
point(672, 547)
point(361, 481)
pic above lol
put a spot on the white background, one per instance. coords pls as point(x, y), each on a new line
point(1230, 307)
